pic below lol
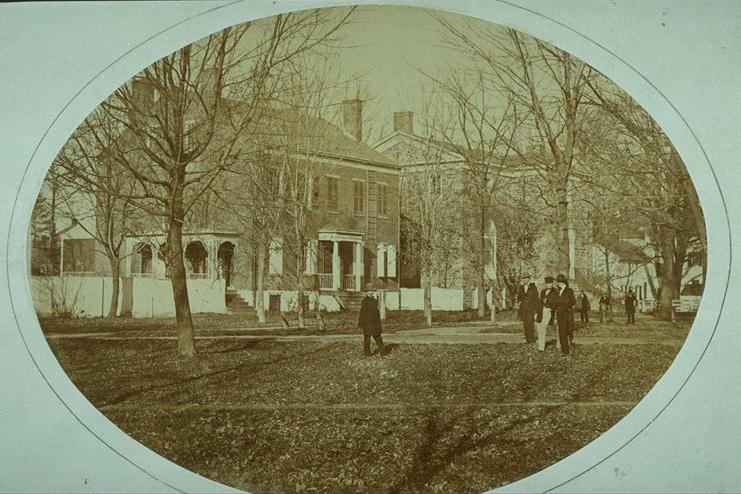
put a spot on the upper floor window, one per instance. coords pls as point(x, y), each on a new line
point(315, 192)
point(332, 193)
point(358, 196)
point(383, 199)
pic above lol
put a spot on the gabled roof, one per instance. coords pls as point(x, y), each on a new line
point(458, 153)
point(284, 128)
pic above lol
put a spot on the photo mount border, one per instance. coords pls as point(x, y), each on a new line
point(15, 298)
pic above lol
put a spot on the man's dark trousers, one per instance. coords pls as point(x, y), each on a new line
point(367, 342)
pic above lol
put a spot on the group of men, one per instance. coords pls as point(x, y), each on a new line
point(538, 309)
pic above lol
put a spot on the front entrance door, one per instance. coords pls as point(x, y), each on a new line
point(346, 268)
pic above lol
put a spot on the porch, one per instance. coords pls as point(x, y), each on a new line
point(336, 261)
point(208, 255)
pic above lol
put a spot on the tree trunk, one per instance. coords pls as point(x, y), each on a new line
point(650, 279)
point(481, 286)
point(184, 320)
point(667, 275)
point(493, 308)
point(319, 316)
point(427, 288)
point(300, 290)
point(115, 284)
point(562, 220)
point(260, 283)
point(608, 277)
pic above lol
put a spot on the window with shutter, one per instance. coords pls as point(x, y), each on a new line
point(332, 193)
point(381, 260)
point(359, 197)
point(382, 199)
point(391, 262)
point(311, 256)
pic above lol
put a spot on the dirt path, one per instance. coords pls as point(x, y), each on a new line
point(457, 335)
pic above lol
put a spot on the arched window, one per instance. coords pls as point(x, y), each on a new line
point(196, 255)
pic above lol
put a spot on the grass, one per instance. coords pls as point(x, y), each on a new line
point(319, 417)
point(337, 323)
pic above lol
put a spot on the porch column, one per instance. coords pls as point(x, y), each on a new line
point(336, 274)
point(357, 270)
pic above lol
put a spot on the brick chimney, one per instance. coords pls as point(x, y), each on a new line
point(352, 118)
point(142, 94)
point(404, 122)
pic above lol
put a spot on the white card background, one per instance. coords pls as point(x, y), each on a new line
point(679, 59)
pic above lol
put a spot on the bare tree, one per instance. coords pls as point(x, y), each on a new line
point(484, 125)
point(186, 114)
point(655, 183)
point(98, 187)
point(430, 192)
point(551, 84)
point(300, 127)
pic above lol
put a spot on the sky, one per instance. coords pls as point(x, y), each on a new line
point(391, 45)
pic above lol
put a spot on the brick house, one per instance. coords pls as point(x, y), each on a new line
point(351, 246)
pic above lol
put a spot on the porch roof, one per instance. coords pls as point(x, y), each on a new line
point(190, 233)
point(340, 235)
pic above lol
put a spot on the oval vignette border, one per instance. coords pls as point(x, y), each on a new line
point(17, 236)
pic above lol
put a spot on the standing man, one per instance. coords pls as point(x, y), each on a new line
point(369, 320)
point(528, 298)
point(630, 306)
point(565, 313)
point(584, 307)
point(604, 307)
point(546, 307)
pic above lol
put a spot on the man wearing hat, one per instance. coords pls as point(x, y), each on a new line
point(528, 298)
point(546, 307)
point(369, 319)
point(565, 302)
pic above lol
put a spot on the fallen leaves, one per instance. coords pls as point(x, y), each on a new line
point(322, 417)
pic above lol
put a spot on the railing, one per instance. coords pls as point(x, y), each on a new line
point(352, 282)
point(325, 281)
point(79, 273)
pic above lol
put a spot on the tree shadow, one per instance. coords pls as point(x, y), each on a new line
point(202, 374)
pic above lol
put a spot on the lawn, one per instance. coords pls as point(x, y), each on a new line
point(208, 324)
point(306, 416)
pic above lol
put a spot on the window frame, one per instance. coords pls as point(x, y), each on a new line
point(363, 199)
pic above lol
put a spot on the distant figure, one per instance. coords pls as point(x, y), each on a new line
point(630, 306)
point(604, 307)
point(546, 308)
point(565, 313)
point(528, 297)
point(584, 307)
point(369, 320)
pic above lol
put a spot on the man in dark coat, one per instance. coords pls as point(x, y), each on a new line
point(584, 307)
point(546, 307)
point(565, 313)
point(630, 306)
point(369, 320)
point(528, 298)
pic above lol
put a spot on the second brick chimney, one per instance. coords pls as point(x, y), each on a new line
point(404, 122)
point(352, 118)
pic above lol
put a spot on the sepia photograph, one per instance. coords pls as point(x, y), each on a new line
point(374, 249)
